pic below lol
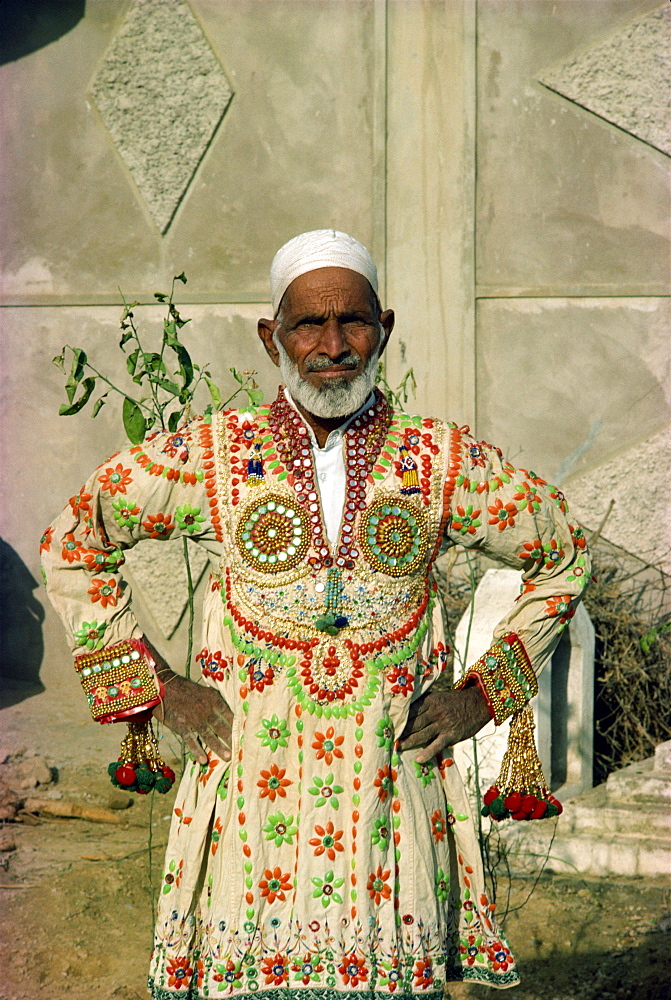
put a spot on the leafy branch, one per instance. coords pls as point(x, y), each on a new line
point(399, 396)
point(167, 379)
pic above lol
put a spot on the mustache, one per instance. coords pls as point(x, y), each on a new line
point(350, 361)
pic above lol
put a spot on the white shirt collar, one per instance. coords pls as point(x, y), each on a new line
point(336, 436)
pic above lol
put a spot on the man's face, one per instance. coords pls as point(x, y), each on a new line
point(327, 337)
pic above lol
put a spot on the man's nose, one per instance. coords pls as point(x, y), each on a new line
point(332, 341)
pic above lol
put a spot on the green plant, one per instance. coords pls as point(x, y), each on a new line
point(163, 382)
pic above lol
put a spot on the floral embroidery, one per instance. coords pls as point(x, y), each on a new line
point(389, 974)
point(442, 885)
point(189, 518)
point(424, 772)
point(217, 831)
point(381, 833)
point(115, 480)
point(552, 553)
point(579, 572)
point(353, 970)
point(328, 746)
point(561, 607)
point(275, 733)
point(106, 591)
point(275, 970)
point(578, 536)
point(424, 973)
point(179, 973)
point(377, 885)
point(385, 733)
point(173, 876)
point(502, 516)
point(438, 826)
point(308, 969)
point(532, 500)
point(472, 949)
point(476, 455)
point(325, 889)
point(499, 956)
point(273, 782)
point(280, 829)
point(275, 884)
point(96, 560)
point(158, 525)
point(90, 634)
point(71, 548)
point(80, 503)
point(401, 680)
point(467, 520)
point(213, 665)
point(230, 973)
point(559, 499)
point(126, 512)
point(207, 769)
point(45, 540)
point(384, 782)
point(325, 790)
point(532, 550)
point(327, 841)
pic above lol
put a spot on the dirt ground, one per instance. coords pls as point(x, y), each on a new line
point(76, 896)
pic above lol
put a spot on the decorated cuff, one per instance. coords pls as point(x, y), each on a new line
point(505, 676)
point(119, 681)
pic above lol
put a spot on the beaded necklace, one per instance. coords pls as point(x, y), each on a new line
point(364, 439)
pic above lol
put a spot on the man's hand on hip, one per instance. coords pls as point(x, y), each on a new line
point(194, 712)
point(440, 719)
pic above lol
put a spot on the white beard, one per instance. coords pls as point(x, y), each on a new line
point(337, 397)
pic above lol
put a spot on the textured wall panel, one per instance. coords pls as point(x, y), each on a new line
point(563, 384)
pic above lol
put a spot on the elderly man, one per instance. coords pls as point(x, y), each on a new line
point(321, 840)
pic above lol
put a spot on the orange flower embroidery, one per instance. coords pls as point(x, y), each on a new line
point(275, 884)
point(423, 973)
point(328, 745)
point(502, 516)
point(386, 776)
point(377, 885)
point(353, 969)
point(207, 769)
point(179, 973)
point(105, 591)
point(45, 540)
point(438, 826)
point(115, 480)
point(275, 970)
point(561, 607)
point(273, 783)
point(71, 548)
point(158, 525)
point(327, 841)
point(80, 503)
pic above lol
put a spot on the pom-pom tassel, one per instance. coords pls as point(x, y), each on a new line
point(140, 768)
point(521, 791)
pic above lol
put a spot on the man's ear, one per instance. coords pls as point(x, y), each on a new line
point(266, 328)
point(387, 323)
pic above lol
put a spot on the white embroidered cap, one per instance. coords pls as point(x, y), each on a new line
point(319, 248)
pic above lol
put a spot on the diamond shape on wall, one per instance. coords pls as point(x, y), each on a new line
point(161, 93)
point(625, 78)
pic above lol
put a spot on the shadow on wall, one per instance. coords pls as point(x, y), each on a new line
point(28, 25)
point(21, 641)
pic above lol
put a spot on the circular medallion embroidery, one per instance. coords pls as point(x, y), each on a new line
point(273, 534)
point(393, 536)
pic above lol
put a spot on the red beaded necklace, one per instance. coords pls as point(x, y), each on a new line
point(364, 439)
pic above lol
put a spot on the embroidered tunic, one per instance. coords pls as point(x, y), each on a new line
point(321, 860)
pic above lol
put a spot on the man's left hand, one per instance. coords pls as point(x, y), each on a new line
point(440, 719)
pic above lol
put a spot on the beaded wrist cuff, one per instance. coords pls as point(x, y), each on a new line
point(119, 681)
point(505, 676)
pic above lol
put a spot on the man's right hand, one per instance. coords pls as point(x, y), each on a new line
point(195, 713)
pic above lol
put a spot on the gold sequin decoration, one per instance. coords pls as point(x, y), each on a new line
point(116, 679)
point(273, 533)
point(393, 535)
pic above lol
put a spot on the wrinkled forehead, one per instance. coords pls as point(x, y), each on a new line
point(329, 289)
